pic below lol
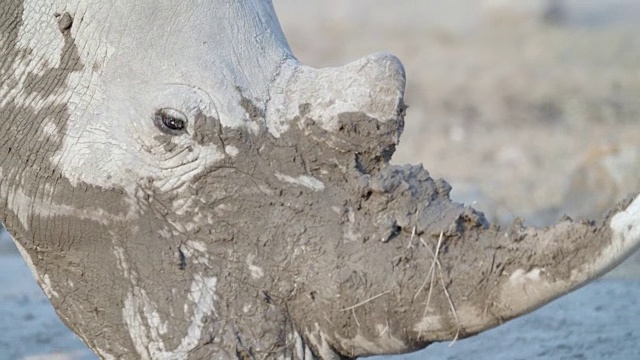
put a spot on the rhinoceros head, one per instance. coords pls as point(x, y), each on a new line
point(183, 188)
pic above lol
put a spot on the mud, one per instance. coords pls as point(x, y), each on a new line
point(310, 239)
point(596, 322)
point(65, 21)
point(254, 112)
point(334, 265)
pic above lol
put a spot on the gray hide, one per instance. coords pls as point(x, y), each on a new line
point(183, 188)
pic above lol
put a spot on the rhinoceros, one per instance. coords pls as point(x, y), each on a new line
point(183, 188)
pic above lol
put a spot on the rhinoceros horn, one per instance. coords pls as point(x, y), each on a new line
point(183, 188)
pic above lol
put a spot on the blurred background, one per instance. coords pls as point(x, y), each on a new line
point(528, 108)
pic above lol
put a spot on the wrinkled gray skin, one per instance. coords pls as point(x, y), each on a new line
point(270, 225)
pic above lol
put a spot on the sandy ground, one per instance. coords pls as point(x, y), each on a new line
point(528, 110)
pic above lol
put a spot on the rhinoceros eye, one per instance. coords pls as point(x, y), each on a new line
point(170, 121)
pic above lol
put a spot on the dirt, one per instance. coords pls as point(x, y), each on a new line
point(596, 322)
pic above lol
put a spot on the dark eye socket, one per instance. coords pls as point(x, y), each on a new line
point(170, 121)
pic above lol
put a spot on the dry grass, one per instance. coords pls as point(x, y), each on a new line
point(430, 278)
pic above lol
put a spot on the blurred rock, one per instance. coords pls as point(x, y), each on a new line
point(555, 13)
point(517, 12)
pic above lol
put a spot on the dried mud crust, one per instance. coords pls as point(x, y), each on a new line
point(384, 284)
point(378, 261)
point(481, 117)
point(384, 247)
